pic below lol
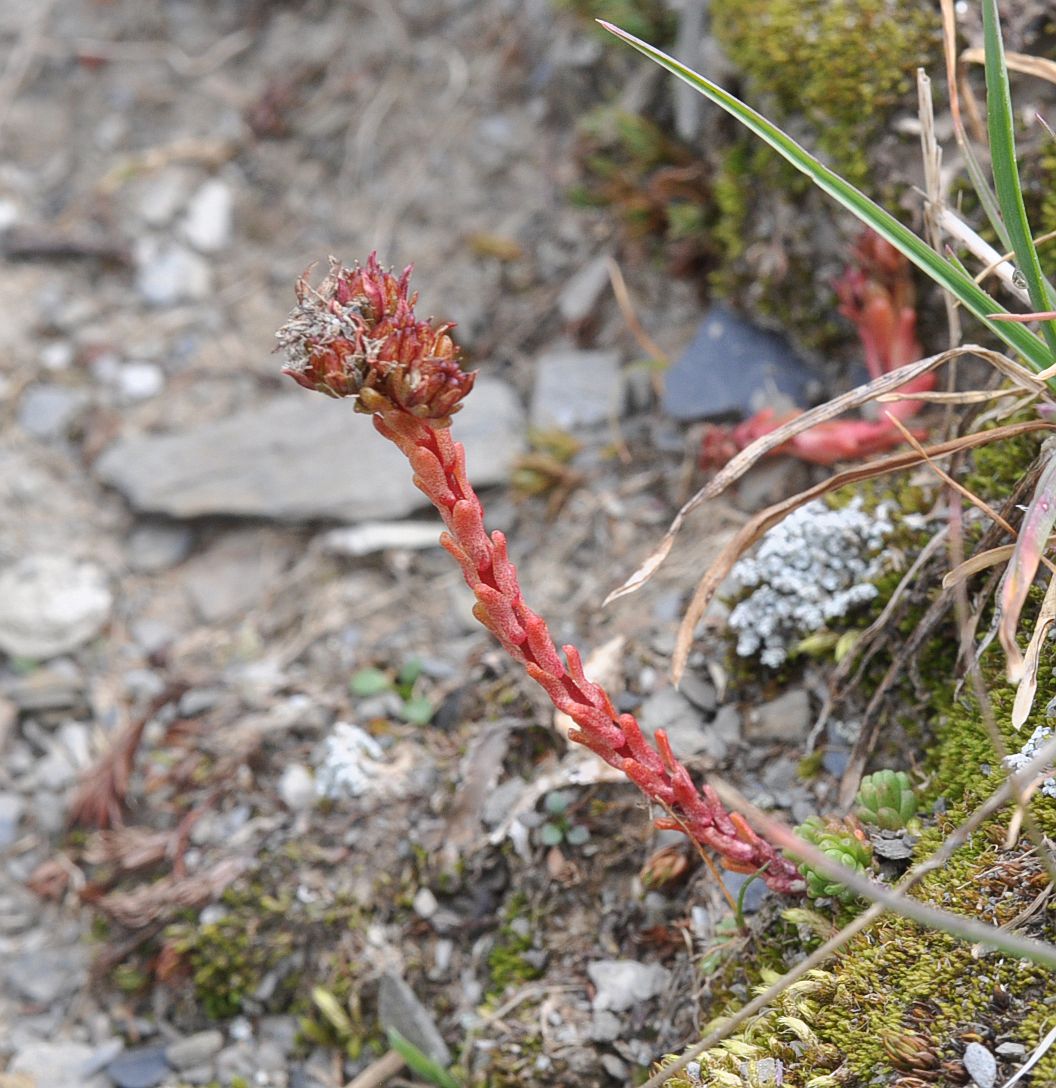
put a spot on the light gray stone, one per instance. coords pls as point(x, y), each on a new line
point(622, 984)
point(12, 807)
point(300, 457)
point(576, 389)
point(51, 604)
point(399, 1008)
point(689, 734)
point(981, 1065)
point(139, 380)
point(207, 224)
point(48, 975)
point(168, 273)
point(46, 411)
point(57, 1065)
point(787, 718)
point(195, 1049)
point(297, 787)
point(580, 295)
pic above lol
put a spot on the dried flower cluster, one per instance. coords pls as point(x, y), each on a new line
point(811, 568)
point(357, 336)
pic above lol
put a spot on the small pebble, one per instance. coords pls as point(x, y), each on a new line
point(981, 1065)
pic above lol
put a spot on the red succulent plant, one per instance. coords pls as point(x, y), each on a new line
point(357, 336)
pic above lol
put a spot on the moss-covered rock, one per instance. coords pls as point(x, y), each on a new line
point(843, 65)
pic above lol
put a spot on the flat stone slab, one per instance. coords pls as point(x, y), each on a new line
point(576, 389)
point(299, 457)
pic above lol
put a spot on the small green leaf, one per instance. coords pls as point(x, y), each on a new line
point(551, 835)
point(330, 1007)
point(1001, 128)
point(578, 835)
point(417, 711)
point(369, 682)
point(409, 672)
point(420, 1063)
point(557, 801)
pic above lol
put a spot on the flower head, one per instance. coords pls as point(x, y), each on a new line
point(356, 335)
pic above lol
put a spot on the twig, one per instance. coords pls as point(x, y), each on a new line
point(378, 1072)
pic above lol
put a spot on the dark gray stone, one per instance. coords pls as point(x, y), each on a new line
point(300, 457)
point(158, 546)
point(731, 368)
point(753, 897)
point(399, 1009)
point(144, 1067)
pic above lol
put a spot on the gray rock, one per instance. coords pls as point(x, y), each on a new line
point(157, 546)
point(237, 1060)
point(195, 1049)
point(144, 1067)
point(727, 724)
point(46, 411)
point(51, 604)
point(278, 461)
point(732, 367)
point(700, 692)
point(787, 718)
point(297, 787)
point(753, 897)
point(56, 1065)
point(686, 729)
point(161, 194)
point(622, 984)
point(399, 1009)
point(1012, 1051)
point(49, 974)
point(981, 1065)
point(207, 224)
point(576, 389)
point(580, 295)
point(12, 807)
point(168, 274)
point(605, 1026)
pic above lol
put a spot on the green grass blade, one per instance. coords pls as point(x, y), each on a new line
point(963, 287)
point(1000, 127)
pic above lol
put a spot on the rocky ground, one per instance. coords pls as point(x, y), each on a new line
point(194, 549)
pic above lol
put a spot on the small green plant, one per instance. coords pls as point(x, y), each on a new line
point(887, 800)
point(415, 709)
point(559, 827)
point(843, 843)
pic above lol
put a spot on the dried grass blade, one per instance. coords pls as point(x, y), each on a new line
point(746, 458)
point(753, 529)
point(1033, 536)
point(983, 561)
point(1041, 67)
point(1028, 686)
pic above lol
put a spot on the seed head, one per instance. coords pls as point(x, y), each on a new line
point(356, 335)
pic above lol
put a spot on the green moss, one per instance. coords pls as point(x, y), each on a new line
point(507, 962)
point(845, 65)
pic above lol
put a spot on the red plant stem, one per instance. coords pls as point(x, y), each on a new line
point(440, 472)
